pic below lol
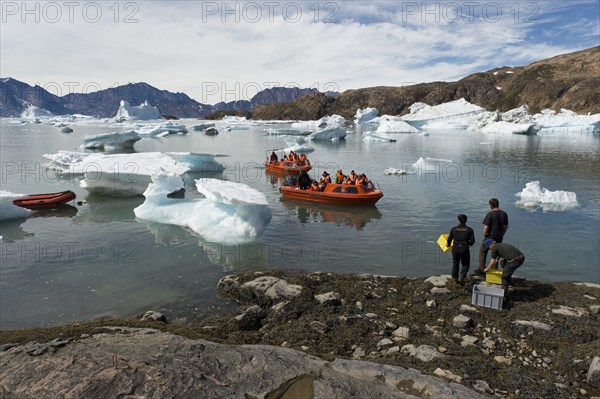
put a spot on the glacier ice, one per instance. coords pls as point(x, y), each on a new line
point(393, 124)
point(231, 212)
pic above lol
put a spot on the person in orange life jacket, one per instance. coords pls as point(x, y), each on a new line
point(514, 259)
point(463, 237)
point(495, 226)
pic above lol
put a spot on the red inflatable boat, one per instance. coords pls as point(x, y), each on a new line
point(44, 201)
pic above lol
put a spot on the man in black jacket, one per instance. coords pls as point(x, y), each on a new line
point(495, 225)
point(463, 238)
point(304, 180)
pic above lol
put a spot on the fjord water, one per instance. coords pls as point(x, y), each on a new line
point(97, 259)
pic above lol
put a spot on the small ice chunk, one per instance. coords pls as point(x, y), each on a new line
point(534, 196)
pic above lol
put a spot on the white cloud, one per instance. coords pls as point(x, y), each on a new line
point(186, 47)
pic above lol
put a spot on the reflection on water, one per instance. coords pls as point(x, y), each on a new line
point(12, 230)
point(354, 216)
point(61, 211)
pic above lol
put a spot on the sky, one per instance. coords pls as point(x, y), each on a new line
point(229, 50)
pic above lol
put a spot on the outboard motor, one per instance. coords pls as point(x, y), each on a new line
point(290, 181)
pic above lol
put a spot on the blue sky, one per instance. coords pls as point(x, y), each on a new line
point(222, 51)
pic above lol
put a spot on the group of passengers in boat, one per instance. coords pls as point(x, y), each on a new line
point(306, 183)
point(292, 157)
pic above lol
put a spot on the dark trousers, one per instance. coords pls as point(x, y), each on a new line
point(483, 252)
point(460, 253)
point(509, 269)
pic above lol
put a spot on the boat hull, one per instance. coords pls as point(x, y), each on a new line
point(45, 201)
point(286, 170)
point(368, 198)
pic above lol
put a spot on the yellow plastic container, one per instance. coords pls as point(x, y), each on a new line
point(442, 243)
point(493, 276)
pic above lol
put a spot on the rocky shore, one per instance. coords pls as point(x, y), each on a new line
point(324, 335)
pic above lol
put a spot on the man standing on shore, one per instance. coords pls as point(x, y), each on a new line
point(463, 238)
point(495, 225)
point(514, 259)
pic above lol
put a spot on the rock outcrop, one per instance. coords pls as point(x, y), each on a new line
point(146, 363)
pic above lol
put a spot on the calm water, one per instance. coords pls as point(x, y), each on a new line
point(97, 259)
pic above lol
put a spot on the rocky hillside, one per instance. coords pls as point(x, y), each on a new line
point(569, 81)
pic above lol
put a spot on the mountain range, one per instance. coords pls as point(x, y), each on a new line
point(16, 96)
point(569, 81)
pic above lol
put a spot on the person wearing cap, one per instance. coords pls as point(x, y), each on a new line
point(514, 259)
point(495, 225)
point(463, 237)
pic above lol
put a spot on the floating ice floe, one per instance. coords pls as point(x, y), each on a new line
point(164, 129)
point(378, 137)
point(566, 123)
point(397, 172)
point(201, 126)
point(365, 115)
point(287, 132)
point(66, 129)
point(231, 212)
point(144, 111)
point(327, 128)
point(8, 210)
point(110, 141)
point(458, 114)
point(421, 165)
point(533, 196)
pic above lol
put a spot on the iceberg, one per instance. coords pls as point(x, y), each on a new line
point(114, 174)
point(144, 111)
point(326, 122)
point(566, 123)
point(503, 127)
point(515, 121)
point(109, 141)
point(198, 162)
point(298, 148)
point(366, 115)
point(8, 210)
point(332, 133)
point(394, 124)
point(33, 113)
point(164, 129)
point(202, 126)
point(533, 196)
point(458, 114)
point(231, 212)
